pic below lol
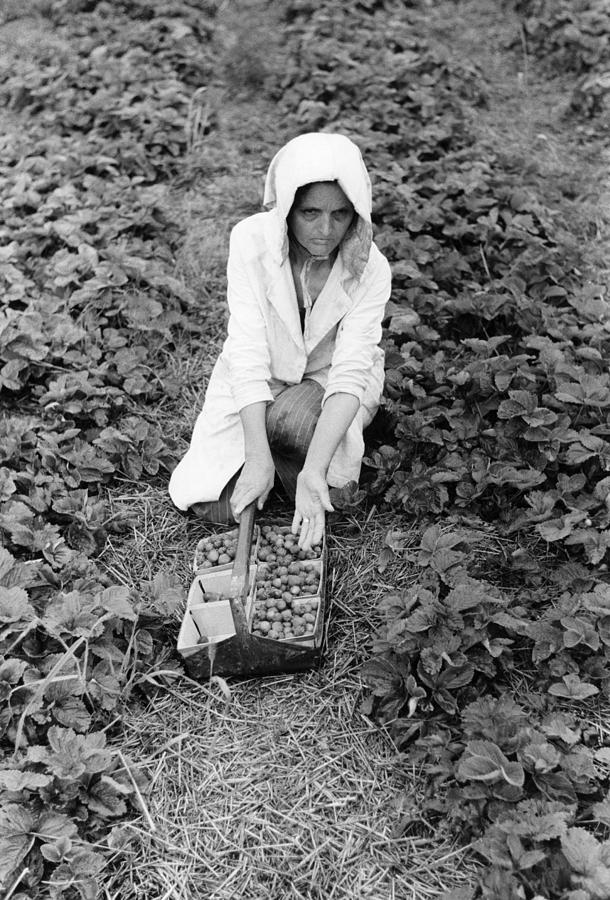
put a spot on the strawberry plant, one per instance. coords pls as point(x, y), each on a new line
point(69, 657)
point(494, 421)
point(90, 306)
point(573, 37)
point(494, 415)
point(513, 777)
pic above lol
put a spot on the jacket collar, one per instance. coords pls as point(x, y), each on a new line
point(331, 305)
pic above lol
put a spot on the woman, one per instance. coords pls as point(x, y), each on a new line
point(300, 373)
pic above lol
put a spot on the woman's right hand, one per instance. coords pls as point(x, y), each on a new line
point(254, 483)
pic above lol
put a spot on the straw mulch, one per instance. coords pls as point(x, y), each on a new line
point(272, 788)
point(278, 787)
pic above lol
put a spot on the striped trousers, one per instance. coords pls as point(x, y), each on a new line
point(291, 421)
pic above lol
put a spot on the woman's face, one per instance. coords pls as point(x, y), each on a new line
point(320, 217)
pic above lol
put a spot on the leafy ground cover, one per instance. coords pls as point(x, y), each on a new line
point(576, 37)
point(105, 100)
point(496, 415)
point(490, 459)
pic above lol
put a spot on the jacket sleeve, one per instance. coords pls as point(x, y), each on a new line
point(359, 333)
point(246, 349)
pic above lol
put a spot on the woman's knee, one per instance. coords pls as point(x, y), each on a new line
point(293, 416)
point(217, 512)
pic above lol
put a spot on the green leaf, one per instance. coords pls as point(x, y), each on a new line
point(558, 726)
point(601, 811)
point(484, 761)
point(579, 631)
point(556, 786)
point(7, 485)
point(520, 403)
point(17, 780)
point(603, 755)
point(586, 446)
point(120, 837)
point(382, 676)
point(82, 869)
point(56, 552)
point(7, 561)
point(437, 549)
point(15, 606)
point(74, 754)
point(116, 600)
point(16, 825)
point(384, 558)
point(573, 688)
point(104, 800)
point(11, 670)
point(521, 478)
point(582, 850)
point(72, 713)
point(72, 614)
point(602, 490)
point(56, 852)
point(531, 858)
point(595, 543)
point(53, 826)
point(435, 538)
point(468, 595)
point(422, 619)
point(557, 529)
point(104, 687)
point(397, 539)
point(590, 390)
point(537, 819)
point(540, 756)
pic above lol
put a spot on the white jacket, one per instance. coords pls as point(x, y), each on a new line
point(266, 351)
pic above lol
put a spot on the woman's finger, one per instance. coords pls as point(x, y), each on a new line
point(311, 531)
point(301, 518)
point(318, 531)
point(243, 499)
point(263, 499)
point(309, 539)
point(303, 542)
point(296, 521)
point(300, 525)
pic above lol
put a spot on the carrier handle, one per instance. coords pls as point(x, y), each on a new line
point(240, 576)
point(241, 563)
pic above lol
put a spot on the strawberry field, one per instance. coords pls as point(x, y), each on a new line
point(487, 659)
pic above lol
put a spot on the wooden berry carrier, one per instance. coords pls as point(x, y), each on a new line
point(216, 635)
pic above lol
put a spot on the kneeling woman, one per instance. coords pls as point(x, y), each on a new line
point(300, 373)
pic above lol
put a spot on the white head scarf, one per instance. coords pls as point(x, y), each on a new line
point(318, 156)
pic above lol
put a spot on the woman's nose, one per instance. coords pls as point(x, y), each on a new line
point(326, 225)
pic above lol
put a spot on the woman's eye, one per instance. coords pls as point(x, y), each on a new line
point(309, 213)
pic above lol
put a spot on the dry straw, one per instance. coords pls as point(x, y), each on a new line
point(284, 789)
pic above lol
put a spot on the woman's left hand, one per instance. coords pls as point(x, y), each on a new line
point(312, 502)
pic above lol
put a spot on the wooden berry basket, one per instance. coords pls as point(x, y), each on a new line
point(202, 566)
point(216, 635)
